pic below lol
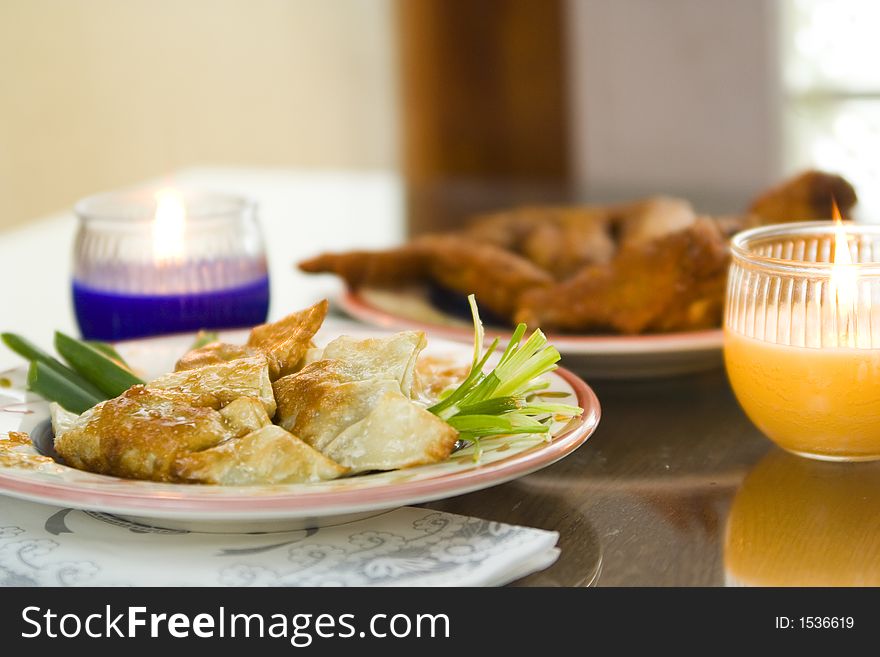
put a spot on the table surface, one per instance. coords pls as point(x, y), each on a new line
point(676, 487)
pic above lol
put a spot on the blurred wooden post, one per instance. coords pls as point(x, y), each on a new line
point(484, 106)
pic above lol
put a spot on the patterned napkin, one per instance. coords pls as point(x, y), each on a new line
point(51, 546)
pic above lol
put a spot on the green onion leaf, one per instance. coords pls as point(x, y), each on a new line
point(48, 383)
point(508, 399)
point(110, 377)
point(29, 351)
point(110, 351)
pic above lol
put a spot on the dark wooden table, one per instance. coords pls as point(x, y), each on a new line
point(647, 500)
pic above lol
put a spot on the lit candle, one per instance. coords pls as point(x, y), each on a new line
point(168, 227)
point(802, 347)
point(167, 262)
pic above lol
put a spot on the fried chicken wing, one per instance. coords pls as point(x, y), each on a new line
point(804, 198)
point(560, 240)
point(378, 268)
point(671, 283)
point(653, 218)
point(495, 275)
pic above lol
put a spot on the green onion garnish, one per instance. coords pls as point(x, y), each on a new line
point(507, 399)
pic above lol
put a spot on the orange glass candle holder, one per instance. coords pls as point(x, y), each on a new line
point(802, 336)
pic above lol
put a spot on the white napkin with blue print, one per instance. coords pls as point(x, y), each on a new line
point(50, 546)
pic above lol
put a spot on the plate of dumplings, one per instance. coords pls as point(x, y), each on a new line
point(294, 424)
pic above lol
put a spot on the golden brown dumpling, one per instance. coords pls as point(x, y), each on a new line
point(214, 354)
point(269, 455)
point(393, 357)
point(245, 415)
point(396, 433)
point(218, 385)
point(140, 434)
point(317, 403)
point(327, 396)
point(286, 341)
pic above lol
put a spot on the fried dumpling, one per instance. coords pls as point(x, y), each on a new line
point(396, 433)
point(218, 385)
point(286, 341)
point(214, 354)
point(319, 402)
point(393, 357)
point(62, 419)
point(245, 415)
point(140, 434)
point(313, 355)
point(327, 396)
point(269, 455)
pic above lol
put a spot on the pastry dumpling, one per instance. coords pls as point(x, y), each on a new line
point(269, 455)
point(356, 405)
point(393, 357)
point(396, 433)
point(62, 419)
point(218, 385)
point(286, 341)
point(140, 434)
point(245, 415)
point(317, 403)
point(214, 354)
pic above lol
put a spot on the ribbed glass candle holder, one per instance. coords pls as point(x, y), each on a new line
point(802, 336)
point(150, 263)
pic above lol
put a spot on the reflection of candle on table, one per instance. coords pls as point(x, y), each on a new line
point(167, 263)
point(800, 346)
point(796, 522)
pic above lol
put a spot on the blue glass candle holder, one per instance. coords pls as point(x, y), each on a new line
point(157, 262)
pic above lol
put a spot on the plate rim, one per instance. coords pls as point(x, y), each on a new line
point(301, 503)
point(361, 309)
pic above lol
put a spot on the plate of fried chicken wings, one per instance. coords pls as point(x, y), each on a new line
point(295, 424)
point(625, 290)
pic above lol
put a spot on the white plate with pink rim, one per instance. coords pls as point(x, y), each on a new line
point(591, 356)
point(279, 507)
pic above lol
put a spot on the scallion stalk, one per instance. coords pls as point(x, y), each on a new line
point(506, 400)
point(31, 352)
point(48, 383)
point(105, 373)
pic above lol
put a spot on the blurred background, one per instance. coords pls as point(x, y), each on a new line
point(475, 104)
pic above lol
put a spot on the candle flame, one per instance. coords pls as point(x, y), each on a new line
point(844, 277)
point(168, 226)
